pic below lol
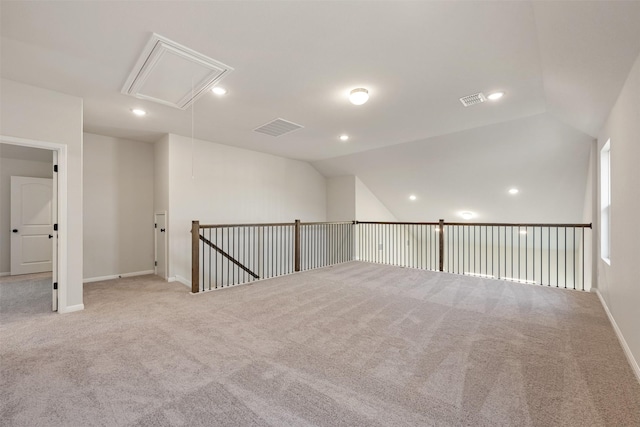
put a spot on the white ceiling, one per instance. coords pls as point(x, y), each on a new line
point(473, 170)
point(559, 62)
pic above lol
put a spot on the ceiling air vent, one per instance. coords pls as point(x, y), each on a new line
point(172, 74)
point(278, 127)
point(476, 98)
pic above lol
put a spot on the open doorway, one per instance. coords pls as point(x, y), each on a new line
point(30, 243)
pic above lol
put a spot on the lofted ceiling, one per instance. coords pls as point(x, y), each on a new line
point(472, 170)
point(561, 64)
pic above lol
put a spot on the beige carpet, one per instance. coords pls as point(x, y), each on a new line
point(351, 345)
point(25, 296)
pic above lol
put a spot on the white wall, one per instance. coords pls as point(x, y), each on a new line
point(368, 206)
point(27, 165)
point(215, 183)
point(618, 283)
point(341, 198)
point(161, 175)
point(37, 114)
point(118, 206)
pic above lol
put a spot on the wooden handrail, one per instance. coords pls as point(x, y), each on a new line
point(499, 224)
point(328, 223)
point(229, 257)
point(266, 224)
point(484, 224)
point(395, 223)
point(274, 224)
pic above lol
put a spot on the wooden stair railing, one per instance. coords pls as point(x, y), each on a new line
point(524, 252)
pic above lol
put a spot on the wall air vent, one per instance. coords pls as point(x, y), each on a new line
point(278, 127)
point(172, 74)
point(476, 98)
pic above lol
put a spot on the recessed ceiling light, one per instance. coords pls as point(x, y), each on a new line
point(219, 90)
point(359, 96)
point(495, 96)
point(467, 215)
point(412, 197)
point(344, 137)
point(513, 191)
point(139, 112)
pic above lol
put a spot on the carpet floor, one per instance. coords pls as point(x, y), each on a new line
point(24, 296)
point(351, 345)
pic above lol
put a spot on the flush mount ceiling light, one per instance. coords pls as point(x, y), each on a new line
point(219, 90)
point(523, 231)
point(359, 96)
point(139, 112)
point(513, 191)
point(467, 215)
point(344, 137)
point(495, 96)
point(412, 197)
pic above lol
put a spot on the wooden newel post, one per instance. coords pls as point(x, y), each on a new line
point(195, 256)
point(441, 246)
point(296, 244)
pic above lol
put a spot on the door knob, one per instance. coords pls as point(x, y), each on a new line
point(162, 230)
point(15, 230)
point(51, 236)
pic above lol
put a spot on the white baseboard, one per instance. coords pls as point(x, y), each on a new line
point(117, 276)
point(180, 279)
point(71, 308)
point(6, 273)
point(623, 342)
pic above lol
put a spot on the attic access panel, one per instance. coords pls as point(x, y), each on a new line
point(172, 74)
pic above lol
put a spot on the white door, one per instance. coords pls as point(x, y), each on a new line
point(31, 225)
point(160, 220)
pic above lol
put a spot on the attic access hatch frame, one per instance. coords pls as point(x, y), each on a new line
point(159, 74)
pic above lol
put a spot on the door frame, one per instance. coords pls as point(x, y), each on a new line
point(59, 267)
point(166, 244)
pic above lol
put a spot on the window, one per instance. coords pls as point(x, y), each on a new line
point(605, 202)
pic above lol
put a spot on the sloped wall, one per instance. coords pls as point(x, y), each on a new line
point(368, 206)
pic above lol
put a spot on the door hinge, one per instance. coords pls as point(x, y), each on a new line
point(155, 263)
point(55, 285)
point(55, 168)
point(55, 227)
